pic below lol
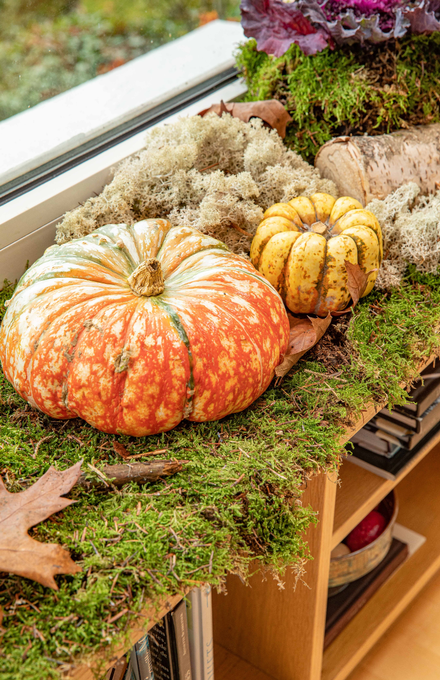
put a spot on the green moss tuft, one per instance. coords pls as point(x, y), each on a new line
point(349, 90)
point(236, 501)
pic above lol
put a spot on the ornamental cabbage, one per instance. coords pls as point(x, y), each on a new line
point(316, 24)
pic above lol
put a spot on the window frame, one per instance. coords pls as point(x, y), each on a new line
point(28, 220)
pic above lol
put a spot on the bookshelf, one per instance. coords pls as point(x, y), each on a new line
point(281, 632)
point(419, 510)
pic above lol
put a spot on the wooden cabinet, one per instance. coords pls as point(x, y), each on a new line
point(281, 631)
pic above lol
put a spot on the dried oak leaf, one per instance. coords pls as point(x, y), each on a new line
point(19, 553)
point(271, 112)
point(304, 333)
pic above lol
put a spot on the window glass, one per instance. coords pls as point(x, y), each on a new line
point(50, 46)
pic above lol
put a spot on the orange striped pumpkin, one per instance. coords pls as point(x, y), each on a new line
point(301, 246)
point(134, 328)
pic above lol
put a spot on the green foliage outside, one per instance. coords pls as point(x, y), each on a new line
point(236, 503)
point(50, 46)
point(349, 90)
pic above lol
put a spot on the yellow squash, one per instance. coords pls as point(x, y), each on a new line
point(301, 246)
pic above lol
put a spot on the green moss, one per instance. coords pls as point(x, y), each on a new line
point(235, 503)
point(349, 90)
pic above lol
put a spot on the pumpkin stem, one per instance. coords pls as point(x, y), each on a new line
point(147, 278)
point(319, 228)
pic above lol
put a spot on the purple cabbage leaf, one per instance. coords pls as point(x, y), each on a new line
point(316, 24)
point(276, 25)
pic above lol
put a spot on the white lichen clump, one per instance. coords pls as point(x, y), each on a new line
point(411, 230)
point(215, 174)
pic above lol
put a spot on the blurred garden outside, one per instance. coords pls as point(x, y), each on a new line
point(50, 46)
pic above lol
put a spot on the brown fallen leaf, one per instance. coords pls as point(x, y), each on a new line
point(304, 334)
point(19, 553)
point(357, 280)
point(272, 112)
point(120, 449)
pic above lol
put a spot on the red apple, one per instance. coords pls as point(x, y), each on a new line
point(366, 531)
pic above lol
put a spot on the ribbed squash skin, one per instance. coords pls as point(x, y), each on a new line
point(300, 247)
point(77, 341)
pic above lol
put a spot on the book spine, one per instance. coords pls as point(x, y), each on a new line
point(130, 673)
point(194, 633)
point(208, 638)
point(119, 669)
point(181, 637)
point(134, 665)
point(171, 647)
point(143, 656)
point(200, 633)
point(160, 653)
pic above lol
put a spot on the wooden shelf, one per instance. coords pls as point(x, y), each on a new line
point(419, 500)
point(228, 666)
point(360, 491)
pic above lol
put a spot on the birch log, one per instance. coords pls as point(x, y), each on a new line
point(373, 167)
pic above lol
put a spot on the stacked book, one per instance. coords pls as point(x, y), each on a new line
point(178, 647)
point(388, 441)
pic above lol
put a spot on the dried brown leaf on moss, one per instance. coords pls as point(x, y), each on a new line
point(19, 553)
point(120, 449)
point(357, 280)
point(304, 334)
point(271, 112)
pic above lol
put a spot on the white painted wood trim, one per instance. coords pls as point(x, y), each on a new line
point(58, 125)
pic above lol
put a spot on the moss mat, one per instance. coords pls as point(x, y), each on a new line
point(237, 498)
point(348, 90)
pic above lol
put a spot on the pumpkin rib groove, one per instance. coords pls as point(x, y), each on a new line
point(226, 314)
point(196, 252)
point(71, 362)
point(66, 272)
point(250, 339)
point(94, 253)
point(125, 249)
point(178, 325)
point(320, 283)
point(67, 310)
point(365, 226)
point(125, 374)
point(118, 378)
point(111, 245)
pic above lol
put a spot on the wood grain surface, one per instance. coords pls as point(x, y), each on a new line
point(419, 499)
point(281, 631)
